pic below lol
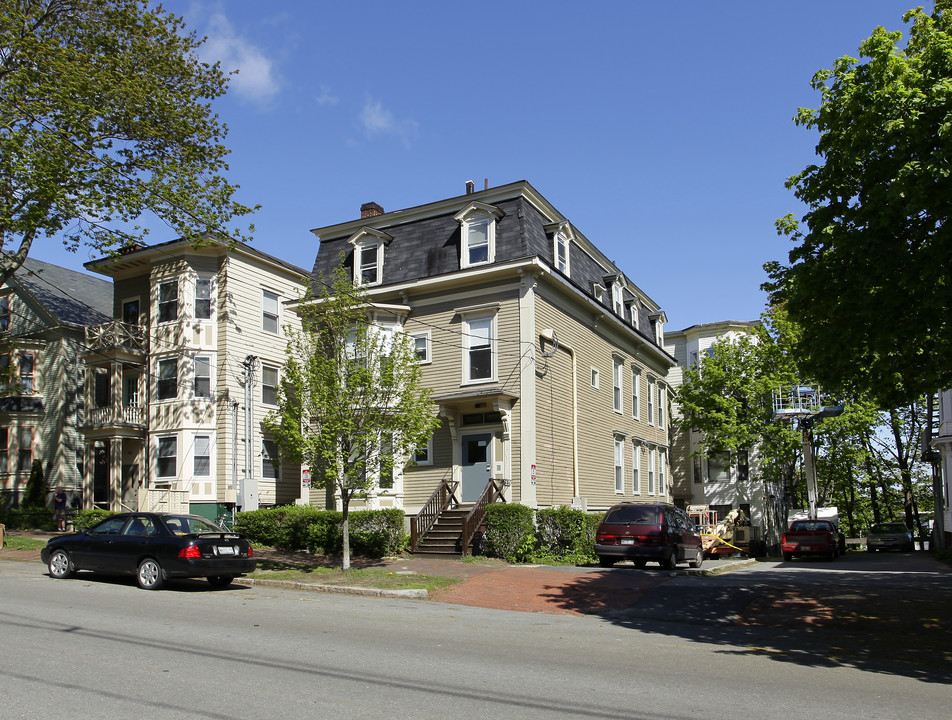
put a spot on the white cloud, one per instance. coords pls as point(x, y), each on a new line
point(376, 120)
point(325, 98)
point(256, 79)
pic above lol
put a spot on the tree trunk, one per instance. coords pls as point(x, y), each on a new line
point(345, 529)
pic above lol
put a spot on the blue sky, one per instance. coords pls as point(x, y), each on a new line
point(663, 131)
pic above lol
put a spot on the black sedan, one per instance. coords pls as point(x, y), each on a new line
point(154, 547)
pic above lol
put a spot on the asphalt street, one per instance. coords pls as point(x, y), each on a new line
point(101, 648)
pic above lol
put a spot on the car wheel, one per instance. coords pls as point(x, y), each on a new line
point(220, 580)
point(669, 562)
point(787, 557)
point(150, 575)
point(698, 559)
point(61, 567)
point(606, 561)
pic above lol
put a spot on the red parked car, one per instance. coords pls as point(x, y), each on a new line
point(810, 537)
point(644, 532)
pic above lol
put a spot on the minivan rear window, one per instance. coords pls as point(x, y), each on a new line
point(633, 515)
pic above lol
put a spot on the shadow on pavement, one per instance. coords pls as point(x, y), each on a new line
point(874, 621)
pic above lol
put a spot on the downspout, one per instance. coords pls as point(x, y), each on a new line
point(550, 336)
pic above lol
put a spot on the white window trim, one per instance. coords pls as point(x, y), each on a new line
point(211, 297)
point(636, 468)
point(159, 378)
point(210, 456)
point(159, 303)
point(359, 249)
point(636, 393)
point(468, 319)
point(427, 338)
point(662, 462)
point(652, 471)
point(277, 380)
point(618, 297)
point(662, 396)
point(195, 376)
point(619, 465)
point(596, 378)
point(598, 291)
point(429, 454)
point(618, 385)
point(652, 384)
point(562, 240)
point(158, 445)
point(473, 214)
point(265, 293)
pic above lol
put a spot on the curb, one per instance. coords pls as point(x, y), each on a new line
point(417, 594)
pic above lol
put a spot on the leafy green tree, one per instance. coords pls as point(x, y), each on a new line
point(868, 280)
point(352, 406)
point(105, 114)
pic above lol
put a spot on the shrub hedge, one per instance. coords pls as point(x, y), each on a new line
point(516, 533)
point(373, 533)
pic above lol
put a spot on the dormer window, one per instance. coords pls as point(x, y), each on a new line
point(369, 245)
point(562, 253)
point(477, 234)
point(599, 292)
point(5, 314)
point(367, 263)
point(617, 299)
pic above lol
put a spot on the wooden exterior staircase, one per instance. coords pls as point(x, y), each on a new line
point(445, 527)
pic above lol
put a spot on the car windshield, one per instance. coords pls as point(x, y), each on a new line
point(632, 515)
point(887, 528)
point(810, 526)
point(190, 524)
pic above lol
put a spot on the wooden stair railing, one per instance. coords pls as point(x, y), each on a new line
point(422, 522)
point(471, 522)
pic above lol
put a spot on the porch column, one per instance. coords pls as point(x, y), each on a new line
point(115, 474)
point(89, 471)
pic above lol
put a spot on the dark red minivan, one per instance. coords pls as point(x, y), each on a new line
point(646, 531)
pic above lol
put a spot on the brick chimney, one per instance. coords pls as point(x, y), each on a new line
point(369, 210)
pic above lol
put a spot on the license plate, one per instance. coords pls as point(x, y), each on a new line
point(806, 547)
point(227, 550)
point(627, 541)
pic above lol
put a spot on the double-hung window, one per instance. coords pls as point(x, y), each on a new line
point(635, 393)
point(662, 399)
point(421, 347)
point(203, 298)
point(662, 461)
point(203, 377)
point(5, 313)
point(168, 379)
point(652, 463)
point(130, 311)
point(478, 359)
point(617, 367)
point(368, 263)
point(562, 253)
point(168, 455)
point(27, 379)
point(269, 459)
point(269, 312)
point(168, 301)
point(619, 465)
point(25, 450)
point(4, 449)
point(477, 234)
point(618, 297)
point(269, 385)
point(203, 456)
point(651, 401)
point(636, 468)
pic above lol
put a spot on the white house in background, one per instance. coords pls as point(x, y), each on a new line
point(181, 379)
point(715, 481)
point(943, 444)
